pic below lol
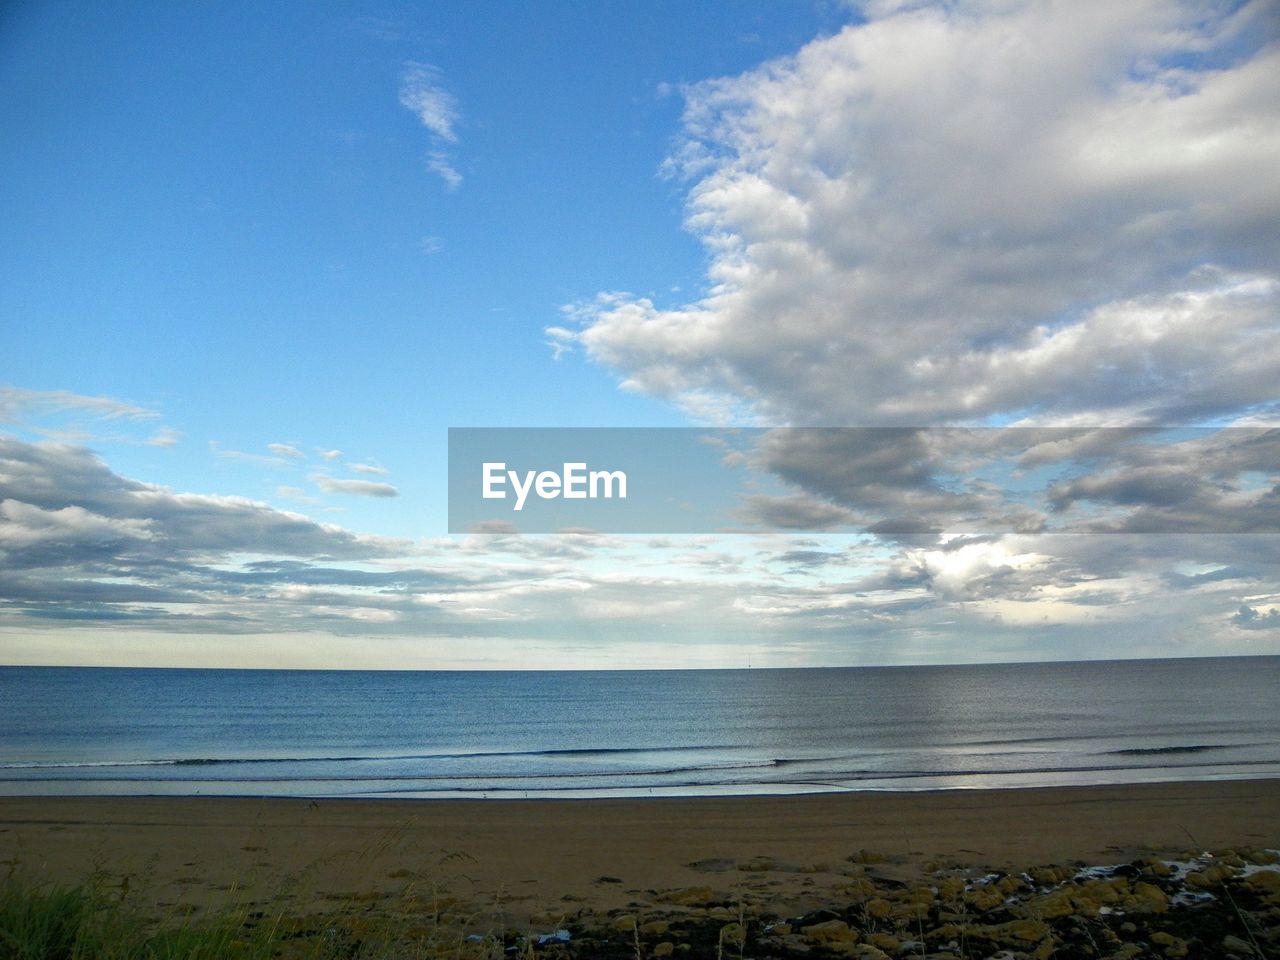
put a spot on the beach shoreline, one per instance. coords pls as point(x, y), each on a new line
point(1037, 872)
point(558, 848)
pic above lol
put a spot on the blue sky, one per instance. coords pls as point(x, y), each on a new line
point(236, 237)
point(231, 212)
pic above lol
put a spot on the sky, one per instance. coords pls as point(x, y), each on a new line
point(256, 261)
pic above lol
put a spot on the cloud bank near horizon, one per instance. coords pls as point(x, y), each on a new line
point(82, 546)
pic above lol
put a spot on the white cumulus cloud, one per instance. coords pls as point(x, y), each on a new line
point(959, 212)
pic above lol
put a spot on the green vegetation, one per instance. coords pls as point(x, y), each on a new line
point(90, 922)
point(93, 921)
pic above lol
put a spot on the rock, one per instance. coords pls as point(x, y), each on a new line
point(832, 931)
point(1260, 857)
point(865, 951)
point(1051, 905)
point(721, 913)
point(791, 945)
point(1025, 929)
point(733, 934)
point(626, 923)
point(879, 907)
point(1085, 899)
point(860, 888)
point(919, 894)
point(950, 888)
point(688, 896)
point(757, 864)
point(1126, 951)
point(1014, 933)
point(984, 898)
point(1105, 891)
point(1010, 884)
point(782, 929)
point(1209, 877)
point(1173, 946)
point(1050, 874)
point(1266, 882)
point(909, 912)
point(842, 949)
point(654, 927)
point(948, 931)
point(1233, 944)
point(664, 949)
point(1145, 898)
point(884, 941)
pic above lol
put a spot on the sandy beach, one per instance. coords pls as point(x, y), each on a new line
point(544, 864)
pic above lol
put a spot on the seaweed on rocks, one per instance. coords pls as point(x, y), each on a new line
point(1223, 906)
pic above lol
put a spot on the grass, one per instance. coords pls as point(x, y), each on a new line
point(94, 921)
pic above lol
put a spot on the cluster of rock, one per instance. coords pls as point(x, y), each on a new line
point(1224, 905)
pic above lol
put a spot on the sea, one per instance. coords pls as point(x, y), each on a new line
point(115, 731)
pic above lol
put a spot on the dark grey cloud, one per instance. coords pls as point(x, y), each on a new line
point(806, 558)
point(794, 512)
point(1249, 618)
point(65, 494)
point(905, 483)
point(1224, 574)
point(80, 543)
point(1214, 481)
point(78, 540)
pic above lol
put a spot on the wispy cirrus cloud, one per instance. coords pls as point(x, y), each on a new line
point(164, 437)
point(79, 418)
point(422, 92)
point(226, 453)
point(17, 404)
point(296, 494)
point(359, 488)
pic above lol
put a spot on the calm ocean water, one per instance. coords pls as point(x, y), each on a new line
point(313, 733)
